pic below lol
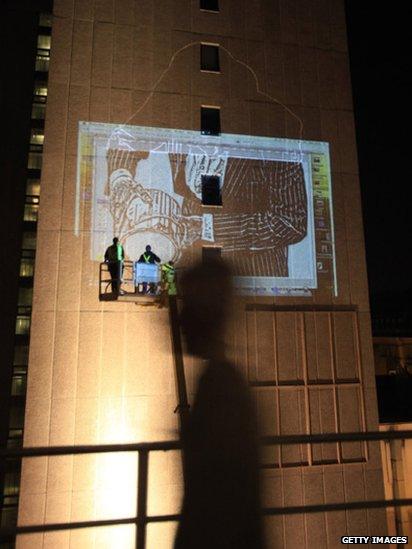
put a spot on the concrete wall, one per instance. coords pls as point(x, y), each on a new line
point(102, 372)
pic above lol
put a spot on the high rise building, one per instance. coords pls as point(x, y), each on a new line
point(199, 128)
point(27, 32)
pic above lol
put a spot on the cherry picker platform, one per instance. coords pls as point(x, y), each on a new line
point(139, 283)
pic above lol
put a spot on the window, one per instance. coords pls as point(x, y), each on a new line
point(33, 187)
point(21, 355)
point(29, 240)
point(211, 195)
point(37, 137)
point(210, 120)
point(38, 111)
point(209, 57)
point(43, 41)
point(45, 20)
point(209, 5)
point(31, 208)
point(210, 253)
point(42, 60)
point(18, 384)
point(27, 263)
point(25, 297)
point(22, 324)
point(40, 92)
point(35, 160)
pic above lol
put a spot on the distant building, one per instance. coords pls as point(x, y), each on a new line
point(27, 30)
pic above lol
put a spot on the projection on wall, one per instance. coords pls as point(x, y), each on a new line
point(266, 203)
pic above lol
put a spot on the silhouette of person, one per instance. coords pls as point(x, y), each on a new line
point(221, 507)
point(114, 257)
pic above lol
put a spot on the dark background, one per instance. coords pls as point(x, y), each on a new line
point(379, 47)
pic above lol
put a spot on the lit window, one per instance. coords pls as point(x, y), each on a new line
point(44, 41)
point(211, 195)
point(35, 161)
point(18, 384)
point(11, 483)
point(38, 111)
point(210, 120)
point(29, 240)
point(33, 187)
point(209, 5)
point(42, 60)
point(31, 208)
point(37, 137)
point(26, 267)
point(40, 91)
point(22, 324)
point(209, 57)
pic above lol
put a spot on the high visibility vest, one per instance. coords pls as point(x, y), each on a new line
point(146, 258)
point(119, 252)
point(168, 268)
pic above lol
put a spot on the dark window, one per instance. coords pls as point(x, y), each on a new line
point(211, 5)
point(210, 121)
point(211, 195)
point(209, 58)
point(210, 253)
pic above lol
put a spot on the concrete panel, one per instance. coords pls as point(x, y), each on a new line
point(81, 60)
point(346, 351)
point(52, 187)
point(60, 59)
point(124, 12)
point(102, 59)
point(83, 9)
point(65, 355)
point(289, 347)
point(104, 10)
point(293, 421)
point(41, 355)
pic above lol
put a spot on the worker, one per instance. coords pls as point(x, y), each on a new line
point(149, 257)
point(114, 257)
point(168, 277)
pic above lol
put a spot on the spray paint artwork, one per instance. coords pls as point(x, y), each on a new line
point(146, 188)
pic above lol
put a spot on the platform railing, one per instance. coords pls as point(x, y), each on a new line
point(141, 520)
point(105, 280)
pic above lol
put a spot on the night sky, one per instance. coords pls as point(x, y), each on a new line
point(379, 45)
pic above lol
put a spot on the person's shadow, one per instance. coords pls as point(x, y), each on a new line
point(221, 506)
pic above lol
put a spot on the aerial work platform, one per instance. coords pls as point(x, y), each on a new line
point(140, 284)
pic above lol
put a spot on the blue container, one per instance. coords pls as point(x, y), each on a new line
point(146, 272)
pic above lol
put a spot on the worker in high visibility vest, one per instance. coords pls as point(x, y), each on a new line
point(114, 257)
point(149, 257)
point(169, 277)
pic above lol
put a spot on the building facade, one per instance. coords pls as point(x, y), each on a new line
point(151, 105)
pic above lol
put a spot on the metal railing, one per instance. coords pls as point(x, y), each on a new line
point(141, 520)
point(105, 279)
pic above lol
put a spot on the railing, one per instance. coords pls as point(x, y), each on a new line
point(141, 520)
point(105, 279)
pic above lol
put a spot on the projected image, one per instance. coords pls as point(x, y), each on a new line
point(263, 204)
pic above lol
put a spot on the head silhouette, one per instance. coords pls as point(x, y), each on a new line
point(148, 248)
point(115, 240)
point(207, 294)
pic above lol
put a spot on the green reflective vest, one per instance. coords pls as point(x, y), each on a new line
point(119, 252)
